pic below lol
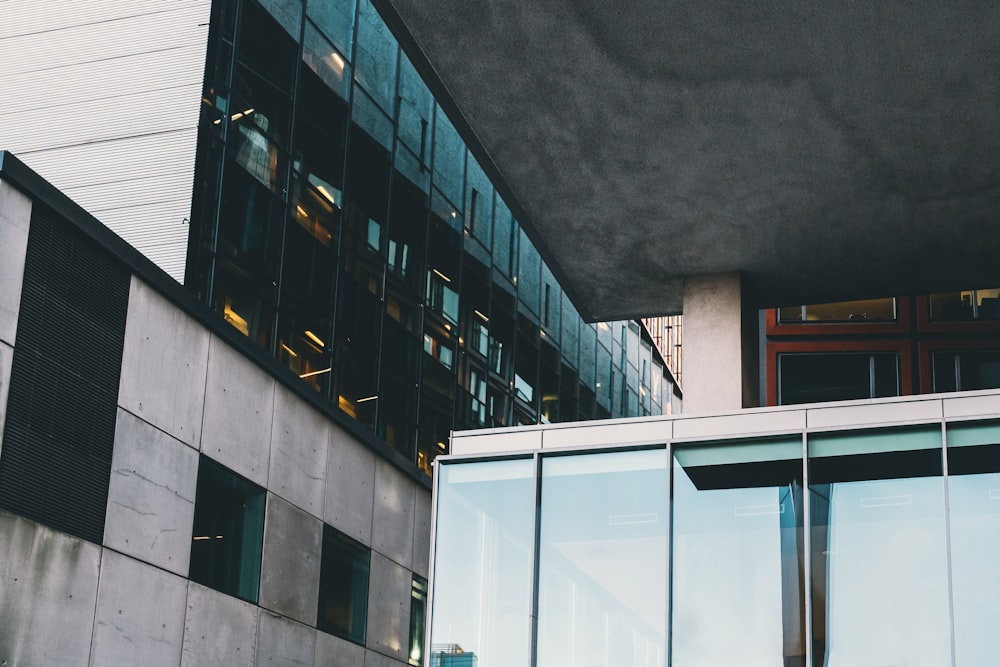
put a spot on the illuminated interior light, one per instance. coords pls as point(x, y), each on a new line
point(366, 399)
point(481, 316)
point(301, 211)
point(447, 327)
point(201, 537)
point(309, 375)
point(338, 62)
point(289, 350)
point(326, 193)
point(441, 446)
point(441, 276)
point(314, 338)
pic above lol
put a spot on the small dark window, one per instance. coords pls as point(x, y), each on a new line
point(343, 586)
point(228, 531)
point(418, 618)
point(814, 378)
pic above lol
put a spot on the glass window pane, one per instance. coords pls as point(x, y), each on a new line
point(813, 378)
point(879, 563)
point(375, 66)
point(528, 274)
point(335, 19)
point(343, 586)
point(737, 576)
point(415, 108)
point(287, 12)
point(484, 537)
point(418, 618)
point(326, 61)
point(602, 555)
point(952, 306)
point(449, 158)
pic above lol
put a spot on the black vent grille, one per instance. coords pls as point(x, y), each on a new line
point(59, 434)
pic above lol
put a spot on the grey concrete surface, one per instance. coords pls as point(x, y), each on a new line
point(392, 519)
point(388, 608)
point(421, 532)
point(15, 216)
point(151, 495)
point(350, 484)
point(290, 564)
point(336, 652)
point(282, 641)
point(375, 659)
point(300, 438)
point(831, 150)
point(48, 592)
point(218, 630)
point(140, 614)
point(6, 357)
point(239, 404)
point(164, 362)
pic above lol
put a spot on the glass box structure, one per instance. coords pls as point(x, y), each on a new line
point(341, 222)
point(832, 535)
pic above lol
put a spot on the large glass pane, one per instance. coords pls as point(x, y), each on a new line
point(343, 586)
point(974, 497)
point(879, 562)
point(416, 104)
point(483, 558)
point(335, 19)
point(967, 305)
point(868, 310)
point(375, 66)
point(602, 560)
point(737, 573)
point(839, 376)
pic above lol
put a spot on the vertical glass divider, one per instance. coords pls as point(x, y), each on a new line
point(429, 622)
point(533, 624)
point(807, 549)
point(668, 617)
point(947, 539)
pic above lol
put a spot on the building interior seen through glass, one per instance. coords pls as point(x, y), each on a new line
point(848, 556)
point(341, 223)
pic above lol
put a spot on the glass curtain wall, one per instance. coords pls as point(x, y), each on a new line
point(342, 224)
point(856, 547)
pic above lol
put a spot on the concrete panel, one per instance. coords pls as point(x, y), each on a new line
point(48, 592)
point(300, 438)
point(239, 404)
point(140, 614)
point(392, 519)
point(218, 629)
point(596, 433)
point(958, 406)
point(389, 608)
point(164, 362)
point(289, 569)
point(15, 217)
point(879, 413)
point(373, 659)
point(6, 357)
point(496, 442)
point(336, 652)
point(350, 484)
point(284, 642)
point(748, 423)
point(151, 495)
point(421, 532)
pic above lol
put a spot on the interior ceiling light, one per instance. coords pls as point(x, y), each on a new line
point(309, 375)
point(314, 338)
point(441, 276)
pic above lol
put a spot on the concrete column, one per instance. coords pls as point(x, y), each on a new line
point(720, 345)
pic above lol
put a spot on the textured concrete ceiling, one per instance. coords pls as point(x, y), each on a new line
point(828, 150)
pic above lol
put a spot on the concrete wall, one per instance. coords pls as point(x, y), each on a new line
point(186, 392)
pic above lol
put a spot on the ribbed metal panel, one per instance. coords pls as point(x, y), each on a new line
point(60, 428)
point(106, 108)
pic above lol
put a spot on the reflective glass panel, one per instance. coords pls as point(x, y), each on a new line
point(879, 564)
point(602, 560)
point(968, 305)
point(737, 573)
point(974, 497)
point(483, 558)
point(868, 310)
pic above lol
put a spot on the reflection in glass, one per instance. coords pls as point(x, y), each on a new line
point(737, 595)
point(836, 376)
point(485, 529)
point(967, 370)
point(879, 568)
point(974, 497)
point(983, 304)
point(602, 555)
point(868, 310)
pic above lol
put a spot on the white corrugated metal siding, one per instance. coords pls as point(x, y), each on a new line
point(101, 97)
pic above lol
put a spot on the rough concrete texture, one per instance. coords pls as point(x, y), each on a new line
point(218, 630)
point(392, 520)
point(281, 641)
point(300, 438)
point(829, 150)
point(336, 652)
point(375, 659)
point(289, 578)
point(388, 608)
point(48, 592)
point(421, 532)
point(140, 614)
point(164, 362)
point(6, 357)
point(713, 358)
point(151, 495)
point(350, 483)
point(15, 215)
point(239, 404)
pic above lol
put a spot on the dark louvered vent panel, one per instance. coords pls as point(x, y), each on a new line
point(56, 456)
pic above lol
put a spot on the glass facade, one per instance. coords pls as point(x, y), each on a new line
point(857, 545)
point(342, 224)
